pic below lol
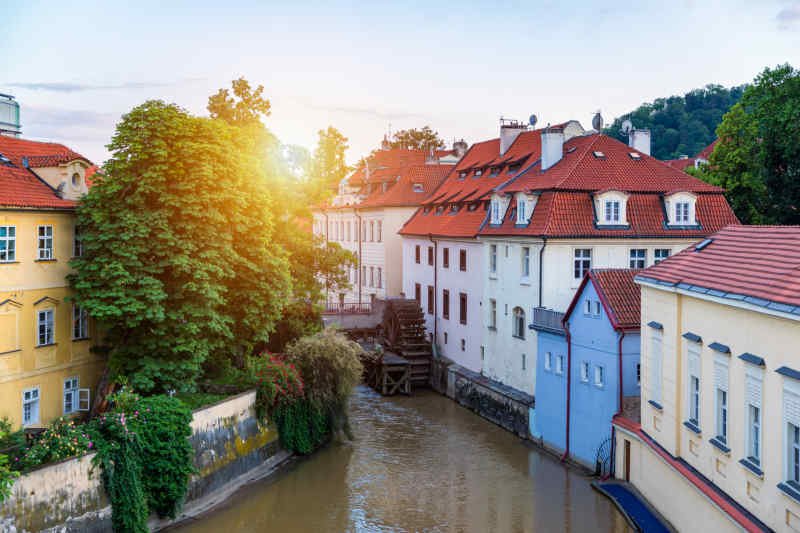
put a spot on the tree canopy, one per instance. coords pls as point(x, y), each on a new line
point(681, 125)
point(758, 157)
point(417, 139)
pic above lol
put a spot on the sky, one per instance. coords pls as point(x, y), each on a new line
point(367, 68)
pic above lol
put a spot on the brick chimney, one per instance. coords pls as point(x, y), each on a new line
point(509, 131)
point(640, 140)
point(552, 146)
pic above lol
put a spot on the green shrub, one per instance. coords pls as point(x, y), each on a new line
point(277, 384)
point(61, 440)
point(7, 474)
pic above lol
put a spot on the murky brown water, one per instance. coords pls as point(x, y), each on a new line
point(419, 463)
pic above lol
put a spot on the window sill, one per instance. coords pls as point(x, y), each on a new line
point(45, 260)
point(491, 328)
point(518, 337)
point(656, 405)
point(525, 281)
point(9, 262)
point(694, 428)
point(585, 381)
point(752, 468)
point(80, 339)
point(790, 491)
point(45, 345)
point(11, 351)
point(492, 276)
point(719, 445)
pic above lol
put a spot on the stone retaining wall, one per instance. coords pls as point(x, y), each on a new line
point(230, 448)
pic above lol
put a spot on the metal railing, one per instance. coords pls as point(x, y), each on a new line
point(348, 308)
point(547, 319)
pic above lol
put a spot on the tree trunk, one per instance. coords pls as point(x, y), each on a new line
point(104, 389)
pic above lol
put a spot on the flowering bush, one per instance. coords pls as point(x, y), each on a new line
point(277, 384)
point(61, 440)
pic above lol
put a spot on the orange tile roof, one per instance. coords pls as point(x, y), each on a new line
point(755, 264)
point(385, 161)
point(402, 193)
point(39, 154)
point(621, 294)
point(704, 154)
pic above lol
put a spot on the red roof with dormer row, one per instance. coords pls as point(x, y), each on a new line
point(414, 185)
point(757, 264)
point(19, 186)
point(590, 164)
point(385, 165)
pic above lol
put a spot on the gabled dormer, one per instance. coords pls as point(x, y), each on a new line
point(611, 208)
point(526, 203)
point(680, 209)
point(497, 209)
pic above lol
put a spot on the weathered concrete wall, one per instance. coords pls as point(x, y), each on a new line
point(230, 448)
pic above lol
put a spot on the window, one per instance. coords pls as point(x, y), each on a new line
point(8, 244)
point(363, 231)
point(45, 242)
point(655, 366)
point(462, 174)
point(638, 374)
point(660, 254)
point(446, 304)
point(418, 187)
point(349, 233)
point(548, 361)
point(478, 172)
point(416, 254)
point(70, 395)
point(521, 216)
point(363, 274)
point(693, 356)
point(588, 307)
point(463, 345)
point(483, 352)
point(582, 262)
point(493, 258)
point(380, 231)
point(77, 245)
point(597, 308)
point(519, 323)
point(430, 300)
point(446, 257)
point(445, 337)
point(493, 314)
point(372, 230)
point(793, 455)
point(638, 258)
point(612, 211)
point(45, 327)
point(379, 280)
point(341, 230)
point(721, 384)
point(76, 180)
point(462, 260)
point(430, 255)
point(753, 392)
point(584, 371)
point(560, 364)
point(523, 361)
point(599, 376)
point(526, 262)
point(80, 323)
point(418, 293)
point(371, 276)
point(495, 212)
point(30, 406)
point(682, 212)
point(462, 308)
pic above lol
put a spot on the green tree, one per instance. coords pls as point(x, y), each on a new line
point(246, 106)
point(328, 166)
point(417, 139)
point(179, 259)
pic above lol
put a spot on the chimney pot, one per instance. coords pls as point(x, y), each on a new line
point(552, 147)
point(509, 131)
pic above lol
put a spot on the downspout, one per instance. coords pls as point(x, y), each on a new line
point(569, 379)
point(612, 470)
point(541, 268)
point(360, 280)
point(435, 287)
point(325, 214)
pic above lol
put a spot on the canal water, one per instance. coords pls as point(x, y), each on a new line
point(419, 463)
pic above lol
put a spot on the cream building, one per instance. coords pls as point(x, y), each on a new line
point(718, 448)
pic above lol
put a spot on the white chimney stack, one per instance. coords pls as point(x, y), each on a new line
point(509, 131)
point(552, 146)
point(640, 140)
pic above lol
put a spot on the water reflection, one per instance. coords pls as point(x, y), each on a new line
point(419, 464)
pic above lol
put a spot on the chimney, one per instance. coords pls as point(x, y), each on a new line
point(430, 158)
point(385, 143)
point(552, 146)
point(509, 131)
point(460, 148)
point(640, 140)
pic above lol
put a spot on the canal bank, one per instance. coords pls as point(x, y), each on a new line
point(419, 463)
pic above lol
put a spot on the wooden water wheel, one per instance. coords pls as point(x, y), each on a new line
point(404, 327)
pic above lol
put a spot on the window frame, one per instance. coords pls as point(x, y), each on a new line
point(721, 401)
point(49, 325)
point(548, 361)
point(37, 401)
point(418, 254)
point(431, 302)
point(581, 262)
point(72, 392)
point(656, 254)
point(80, 319)
point(636, 257)
point(492, 313)
point(445, 257)
point(559, 365)
point(493, 259)
point(518, 323)
point(430, 256)
point(45, 253)
point(612, 211)
point(682, 212)
point(418, 293)
point(462, 260)
point(445, 304)
point(584, 372)
point(599, 376)
point(526, 262)
point(462, 308)
point(10, 241)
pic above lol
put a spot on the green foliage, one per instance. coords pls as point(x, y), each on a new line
point(249, 107)
point(328, 166)
point(417, 139)
point(63, 439)
point(7, 473)
point(277, 384)
point(681, 125)
point(196, 400)
point(302, 426)
point(180, 262)
point(145, 457)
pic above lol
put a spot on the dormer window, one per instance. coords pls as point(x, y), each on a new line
point(522, 211)
point(462, 174)
point(612, 211)
point(682, 212)
point(680, 207)
point(513, 168)
point(478, 172)
point(417, 187)
point(495, 171)
point(472, 206)
point(76, 180)
point(454, 208)
point(635, 156)
point(440, 210)
point(495, 211)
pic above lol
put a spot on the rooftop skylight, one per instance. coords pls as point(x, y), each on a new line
point(598, 154)
point(635, 156)
point(703, 244)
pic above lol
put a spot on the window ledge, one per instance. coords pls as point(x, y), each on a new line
point(518, 337)
point(525, 281)
point(45, 345)
point(585, 381)
point(790, 491)
point(45, 260)
point(719, 445)
point(491, 328)
point(752, 468)
point(79, 339)
point(692, 427)
point(11, 351)
point(9, 262)
point(656, 405)
point(492, 276)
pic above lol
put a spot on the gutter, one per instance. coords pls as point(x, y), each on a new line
point(565, 325)
point(541, 266)
point(360, 277)
point(435, 287)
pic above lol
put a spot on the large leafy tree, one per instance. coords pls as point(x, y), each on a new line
point(180, 261)
point(327, 166)
point(758, 156)
point(417, 139)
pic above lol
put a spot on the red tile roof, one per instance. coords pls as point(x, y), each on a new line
point(19, 186)
point(402, 193)
point(757, 264)
point(704, 154)
point(620, 294)
point(384, 162)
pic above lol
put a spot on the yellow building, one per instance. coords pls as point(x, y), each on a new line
point(718, 448)
point(46, 367)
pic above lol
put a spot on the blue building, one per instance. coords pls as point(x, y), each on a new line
point(597, 345)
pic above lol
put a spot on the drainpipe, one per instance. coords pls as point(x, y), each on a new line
point(621, 336)
point(435, 286)
point(360, 277)
point(569, 380)
point(541, 268)
point(325, 214)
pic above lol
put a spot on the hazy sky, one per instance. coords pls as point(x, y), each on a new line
point(76, 66)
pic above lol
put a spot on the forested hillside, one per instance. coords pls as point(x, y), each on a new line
point(681, 124)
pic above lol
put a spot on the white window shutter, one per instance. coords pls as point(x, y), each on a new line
point(84, 399)
point(753, 391)
point(791, 407)
point(721, 376)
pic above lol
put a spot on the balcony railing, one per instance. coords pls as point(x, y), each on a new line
point(547, 320)
point(348, 308)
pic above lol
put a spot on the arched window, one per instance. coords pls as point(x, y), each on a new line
point(518, 327)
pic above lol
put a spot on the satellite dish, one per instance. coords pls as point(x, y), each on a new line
point(532, 120)
point(597, 121)
point(627, 127)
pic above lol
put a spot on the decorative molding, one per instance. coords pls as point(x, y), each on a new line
point(46, 299)
point(692, 337)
